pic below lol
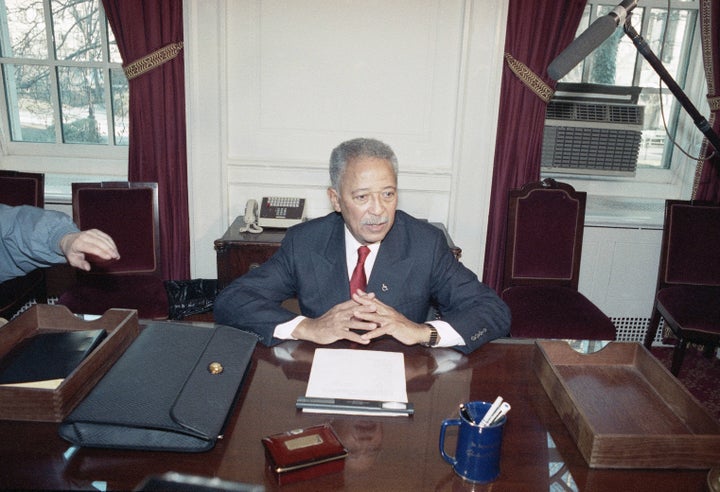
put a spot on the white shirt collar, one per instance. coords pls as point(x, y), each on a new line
point(351, 247)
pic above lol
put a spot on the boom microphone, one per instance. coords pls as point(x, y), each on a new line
point(593, 37)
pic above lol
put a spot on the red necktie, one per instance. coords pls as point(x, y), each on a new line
point(358, 279)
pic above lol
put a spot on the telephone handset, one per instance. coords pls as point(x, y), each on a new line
point(281, 212)
point(250, 220)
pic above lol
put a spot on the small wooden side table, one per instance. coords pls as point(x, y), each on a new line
point(238, 252)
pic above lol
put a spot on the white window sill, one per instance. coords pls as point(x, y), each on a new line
point(626, 212)
point(58, 187)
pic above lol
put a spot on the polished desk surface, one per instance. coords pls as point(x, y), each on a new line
point(386, 453)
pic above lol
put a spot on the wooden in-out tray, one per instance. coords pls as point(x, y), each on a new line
point(624, 409)
point(52, 405)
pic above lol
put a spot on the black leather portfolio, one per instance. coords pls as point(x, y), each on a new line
point(171, 390)
point(48, 356)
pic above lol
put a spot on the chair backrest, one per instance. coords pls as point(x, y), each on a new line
point(129, 213)
point(544, 235)
point(690, 251)
point(19, 188)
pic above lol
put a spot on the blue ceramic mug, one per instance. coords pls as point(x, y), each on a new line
point(477, 454)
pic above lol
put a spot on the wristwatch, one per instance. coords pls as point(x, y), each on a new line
point(433, 336)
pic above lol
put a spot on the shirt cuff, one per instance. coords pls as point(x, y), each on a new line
point(448, 336)
point(283, 331)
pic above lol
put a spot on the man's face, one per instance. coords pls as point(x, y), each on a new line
point(367, 198)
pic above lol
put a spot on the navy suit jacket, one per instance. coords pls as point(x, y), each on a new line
point(413, 271)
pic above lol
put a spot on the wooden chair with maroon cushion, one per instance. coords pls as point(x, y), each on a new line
point(542, 265)
point(20, 188)
point(688, 286)
point(128, 212)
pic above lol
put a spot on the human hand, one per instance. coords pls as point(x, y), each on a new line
point(388, 321)
point(80, 248)
point(336, 324)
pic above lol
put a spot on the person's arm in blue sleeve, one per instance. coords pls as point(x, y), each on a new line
point(34, 237)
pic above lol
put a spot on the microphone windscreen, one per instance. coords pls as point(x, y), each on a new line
point(583, 45)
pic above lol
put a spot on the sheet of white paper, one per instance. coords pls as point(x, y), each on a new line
point(357, 375)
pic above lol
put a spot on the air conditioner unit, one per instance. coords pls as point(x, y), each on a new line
point(592, 129)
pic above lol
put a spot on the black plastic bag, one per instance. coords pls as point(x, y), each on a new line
point(188, 297)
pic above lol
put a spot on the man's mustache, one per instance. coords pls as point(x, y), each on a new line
point(374, 221)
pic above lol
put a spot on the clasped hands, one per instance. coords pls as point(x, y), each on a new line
point(365, 314)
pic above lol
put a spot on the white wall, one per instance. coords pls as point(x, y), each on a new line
point(273, 86)
point(619, 269)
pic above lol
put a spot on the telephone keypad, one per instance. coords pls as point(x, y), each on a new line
point(280, 204)
point(283, 201)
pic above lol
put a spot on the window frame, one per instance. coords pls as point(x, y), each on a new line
point(677, 179)
point(77, 159)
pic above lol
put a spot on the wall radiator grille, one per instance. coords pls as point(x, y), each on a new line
point(633, 330)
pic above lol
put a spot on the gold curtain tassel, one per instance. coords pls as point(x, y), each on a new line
point(714, 102)
point(530, 78)
point(153, 60)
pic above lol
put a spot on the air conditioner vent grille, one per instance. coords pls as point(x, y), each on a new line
point(606, 113)
point(592, 137)
point(590, 150)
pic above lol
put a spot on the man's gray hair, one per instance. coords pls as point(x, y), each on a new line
point(353, 149)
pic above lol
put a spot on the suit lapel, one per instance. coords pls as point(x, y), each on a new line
point(330, 268)
point(392, 265)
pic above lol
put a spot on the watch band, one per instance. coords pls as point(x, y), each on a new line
point(433, 336)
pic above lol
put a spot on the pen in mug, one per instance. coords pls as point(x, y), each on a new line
point(466, 414)
point(504, 409)
point(493, 408)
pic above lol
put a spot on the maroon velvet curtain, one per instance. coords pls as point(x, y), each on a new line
point(157, 118)
point(707, 180)
point(537, 31)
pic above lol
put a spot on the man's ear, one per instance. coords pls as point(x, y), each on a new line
point(334, 199)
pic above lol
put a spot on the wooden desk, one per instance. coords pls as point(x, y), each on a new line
point(386, 453)
point(237, 252)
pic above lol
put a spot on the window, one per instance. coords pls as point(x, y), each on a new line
point(617, 62)
point(62, 76)
point(663, 171)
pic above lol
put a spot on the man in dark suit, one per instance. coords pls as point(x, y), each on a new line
point(409, 269)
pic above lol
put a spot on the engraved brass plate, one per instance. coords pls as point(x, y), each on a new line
point(303, 442)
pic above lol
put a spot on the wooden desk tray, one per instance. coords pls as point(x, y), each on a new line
point(624, 409)
point(52, 405)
